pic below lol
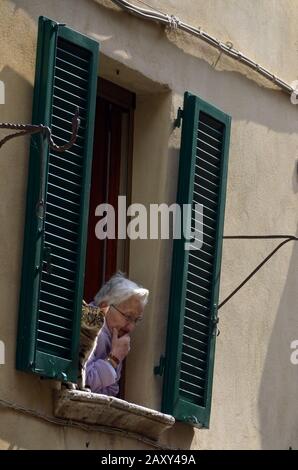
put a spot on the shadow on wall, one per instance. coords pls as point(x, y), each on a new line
point(14, 156)
point(277, 401)
point(13, 172)
point(179, 436)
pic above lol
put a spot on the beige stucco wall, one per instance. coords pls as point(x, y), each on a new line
point(254, 390)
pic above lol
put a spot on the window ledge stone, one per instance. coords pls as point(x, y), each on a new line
point(96, 409)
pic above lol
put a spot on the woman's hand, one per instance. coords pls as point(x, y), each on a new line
point(120, 346)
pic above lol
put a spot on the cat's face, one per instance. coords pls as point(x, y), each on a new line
point(92, 317)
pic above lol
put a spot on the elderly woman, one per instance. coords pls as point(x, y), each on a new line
point(123, 302)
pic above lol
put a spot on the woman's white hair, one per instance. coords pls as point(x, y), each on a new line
point(118, 289)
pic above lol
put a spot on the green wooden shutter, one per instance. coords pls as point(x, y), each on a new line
point(51, 299)
point(195, 273)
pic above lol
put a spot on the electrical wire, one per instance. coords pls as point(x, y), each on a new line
point(174, 22)
point(288, 238)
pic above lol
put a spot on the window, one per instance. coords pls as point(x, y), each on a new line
point(57, 248)
point(195, 273)
point(111, 176)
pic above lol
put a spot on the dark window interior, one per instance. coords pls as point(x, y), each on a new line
point(111, 176)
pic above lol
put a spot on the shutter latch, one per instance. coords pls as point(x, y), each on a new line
point(159, 370)
point(177, 122)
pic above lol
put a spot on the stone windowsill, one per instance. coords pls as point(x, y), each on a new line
point(95, 409)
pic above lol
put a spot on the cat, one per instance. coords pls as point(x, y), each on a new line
point(92, 320)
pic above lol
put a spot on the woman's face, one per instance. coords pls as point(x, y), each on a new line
point(125, 315)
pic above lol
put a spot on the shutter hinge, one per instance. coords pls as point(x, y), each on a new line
point(194, 420)
point(215, 321)
point(180, 115)
point(57, 25)
point(159, 370)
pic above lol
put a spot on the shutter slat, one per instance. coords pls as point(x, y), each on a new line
point(191, 395)
point(193, 370)
point(196, 307)
point(63, 103)
point(199, 301)
point(206, 137)
point(55, 328)
point(52, 347)
point(76, 149)
point(203, 145)
point(72, 215)
point(65, 232)
point(207, 175)
point(196, 319)
point(70, 65)
point(64, 132)
point(62, 82)
point(68, 281)
point(64, 224)
point(208, 167)
point(194, 287)
point(69, 95)
point(50, 307)
point(67, 175)
point(57, 320)
point(70, 205)
point(207, 182)
point(66, 264)
point(200, 198)
point(62, 114)
point(195, 361)
point(191, 387)
point(209, 193)
point(204, 154)
point(79, 59)
point(56, 287)
point(209, 222)
point(67, 194)
point(46, 295)
point(67, 164)
point(54, 338)
point(62, 121)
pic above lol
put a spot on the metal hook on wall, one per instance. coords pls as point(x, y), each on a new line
point(29, 129)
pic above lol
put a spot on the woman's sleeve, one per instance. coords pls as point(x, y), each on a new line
point(100, 375)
